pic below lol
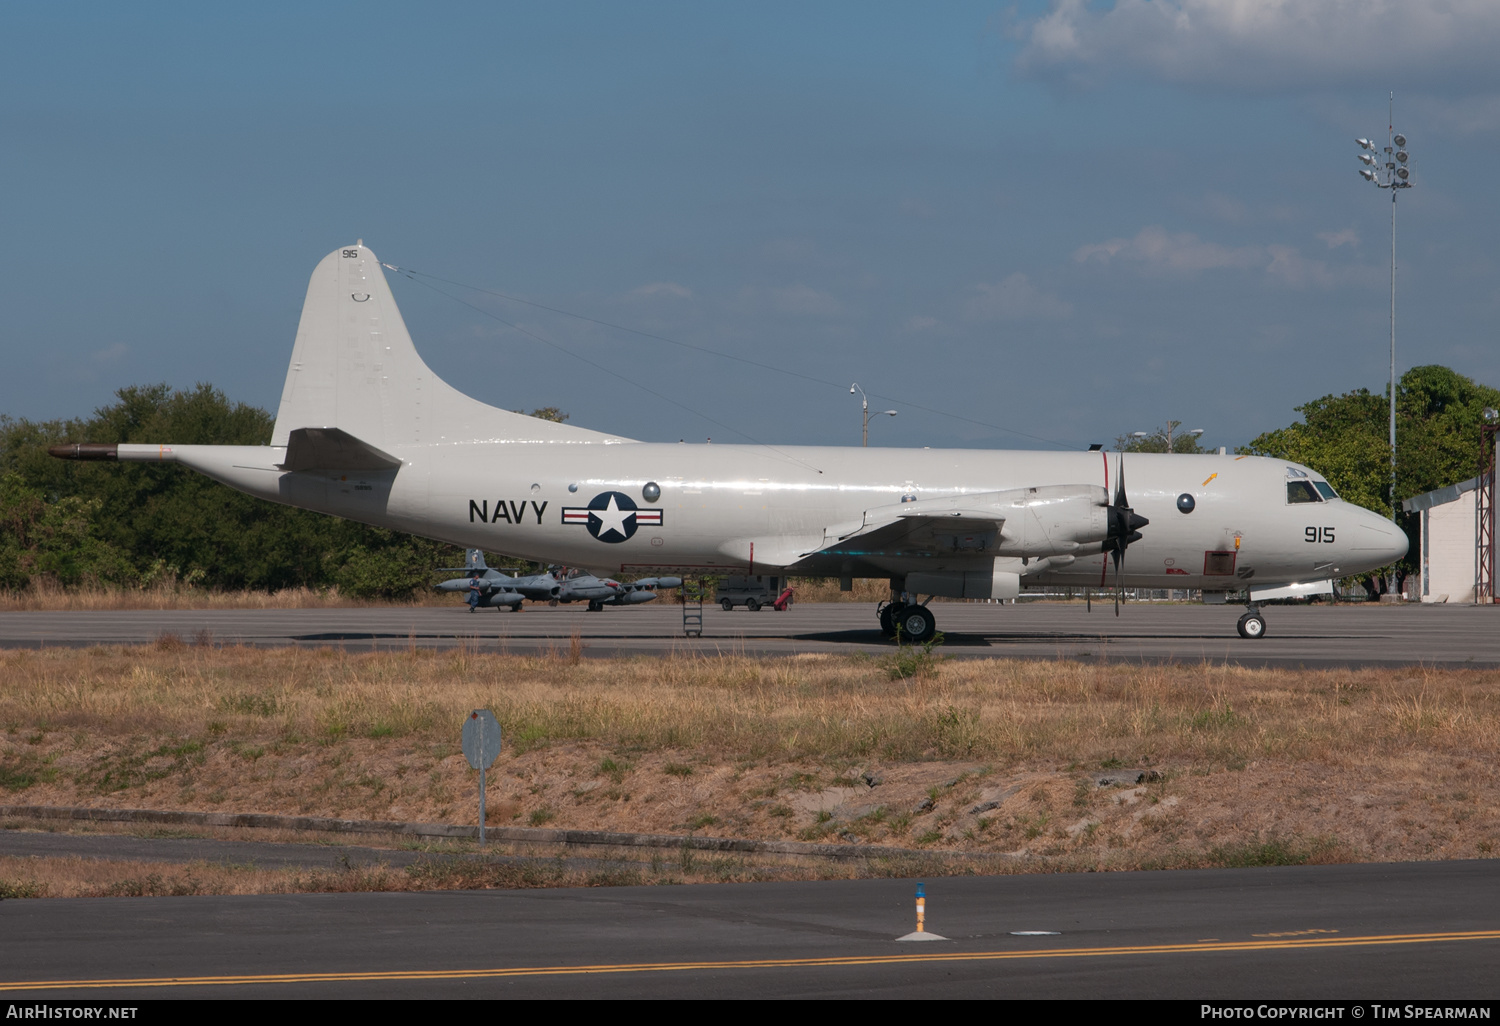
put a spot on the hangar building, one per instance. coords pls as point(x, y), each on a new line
point(1449, 557)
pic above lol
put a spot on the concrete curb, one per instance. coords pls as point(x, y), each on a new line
point(521, 835)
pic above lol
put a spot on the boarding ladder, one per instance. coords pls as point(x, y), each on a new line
point(693, 590)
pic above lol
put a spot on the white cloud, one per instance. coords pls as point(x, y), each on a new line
point(1016, 299)
point(1155, 250)
point(1220, 208)
point(1267, 44)
point(1347, 237)
point(669, 289)
point(1288, 266)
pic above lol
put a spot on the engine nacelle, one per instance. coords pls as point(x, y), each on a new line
point(1053, 520)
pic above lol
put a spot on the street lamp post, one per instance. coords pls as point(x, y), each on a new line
point(1393, 174)
point(1172, 425)
point(864, 405)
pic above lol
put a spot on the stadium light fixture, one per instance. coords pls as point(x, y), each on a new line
point(1392, 174)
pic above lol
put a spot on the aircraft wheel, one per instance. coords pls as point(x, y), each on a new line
point(728, 605)
point(888, 613)
point(917, 625)
point(752, 605)
point(1252, 625)
point(595, 605)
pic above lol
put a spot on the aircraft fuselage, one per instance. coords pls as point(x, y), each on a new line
point(751, 509)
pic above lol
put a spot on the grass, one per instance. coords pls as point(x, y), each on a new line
point(1377, 764)
point(46, 594)
point(79, 877)
point(918, 661)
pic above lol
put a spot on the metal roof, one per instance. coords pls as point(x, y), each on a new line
point(1439, 496)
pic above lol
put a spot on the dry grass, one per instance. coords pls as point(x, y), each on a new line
point(47, 594)
point(74, 877)
point(826, 589)
point(1254, 766)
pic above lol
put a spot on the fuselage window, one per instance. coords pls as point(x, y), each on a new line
point(1301, 491)
point(1325, 489)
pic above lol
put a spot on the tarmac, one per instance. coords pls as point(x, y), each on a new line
point(1355, 634)
point(1341, 936)
point(1337, 935)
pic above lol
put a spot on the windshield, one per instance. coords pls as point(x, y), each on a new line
point(1325, 489)
point(1301, 491)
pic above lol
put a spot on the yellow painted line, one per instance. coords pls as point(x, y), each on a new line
point(1211, 477)
point(764, 963)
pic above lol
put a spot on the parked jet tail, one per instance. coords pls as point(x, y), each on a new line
point(474, 561)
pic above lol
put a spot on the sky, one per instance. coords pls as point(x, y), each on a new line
point(1033, 225)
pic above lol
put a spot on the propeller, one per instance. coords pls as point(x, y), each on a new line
point(1124, 528)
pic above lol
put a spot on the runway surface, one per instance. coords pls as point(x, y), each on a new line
point(1312, 636)
point(1409, 931)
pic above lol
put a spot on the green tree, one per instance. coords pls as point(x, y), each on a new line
point(1163, 439)
point(162, 517)
point(53, 539)
point(1346, 437)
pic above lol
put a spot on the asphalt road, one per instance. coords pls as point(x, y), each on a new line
point(1391, 931)
point(1345, 635)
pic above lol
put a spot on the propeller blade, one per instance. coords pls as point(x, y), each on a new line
point(1124, 528)
point(1119, 592)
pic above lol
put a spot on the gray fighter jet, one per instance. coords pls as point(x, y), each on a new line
point(486, 586)
point(598, 592)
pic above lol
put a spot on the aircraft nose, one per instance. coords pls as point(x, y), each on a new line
point(1375, 541)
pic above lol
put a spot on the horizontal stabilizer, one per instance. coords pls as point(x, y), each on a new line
point(332, 449)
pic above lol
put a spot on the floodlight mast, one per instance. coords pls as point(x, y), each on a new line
point(1394, 175)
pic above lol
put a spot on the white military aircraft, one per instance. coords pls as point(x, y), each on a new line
point(366, 431)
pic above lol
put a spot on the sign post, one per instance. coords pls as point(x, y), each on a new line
point(481, 745)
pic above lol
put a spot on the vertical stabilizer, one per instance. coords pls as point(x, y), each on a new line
point(354, 368)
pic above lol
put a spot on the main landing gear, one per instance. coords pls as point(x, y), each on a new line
point(1252, 624)
point(915, 621)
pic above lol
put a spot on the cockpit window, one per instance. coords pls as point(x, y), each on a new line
point(1325, 489)
point(1301, 491)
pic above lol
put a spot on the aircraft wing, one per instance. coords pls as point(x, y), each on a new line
point(333, 449)
point(1044, 520)
point(960, 523)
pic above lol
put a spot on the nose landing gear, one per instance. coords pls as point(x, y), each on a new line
point(1252, 624)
